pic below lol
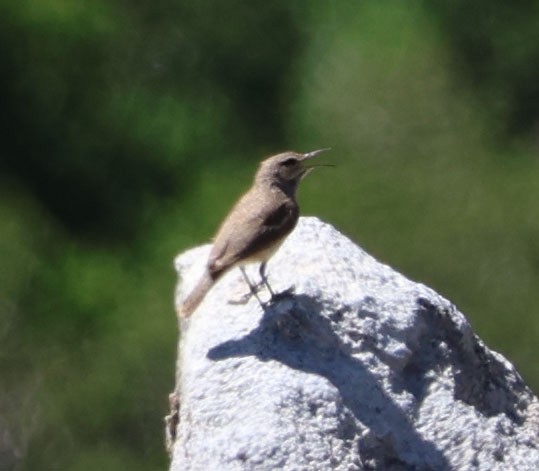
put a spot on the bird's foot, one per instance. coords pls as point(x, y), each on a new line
point(242, 299)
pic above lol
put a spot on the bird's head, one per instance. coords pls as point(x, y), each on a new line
point(287, 169)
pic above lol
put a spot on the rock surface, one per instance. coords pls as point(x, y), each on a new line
point(359, 369)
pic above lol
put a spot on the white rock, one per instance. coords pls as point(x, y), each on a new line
point(360, 369)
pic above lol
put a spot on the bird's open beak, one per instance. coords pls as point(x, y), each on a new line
point(309, 155)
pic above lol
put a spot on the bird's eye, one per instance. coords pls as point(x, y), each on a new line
point(289, 162)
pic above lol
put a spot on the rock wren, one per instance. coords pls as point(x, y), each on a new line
point(257, 225)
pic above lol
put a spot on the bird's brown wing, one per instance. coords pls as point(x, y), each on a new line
point(251, 228)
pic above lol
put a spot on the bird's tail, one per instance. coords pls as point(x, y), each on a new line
point(197, 295)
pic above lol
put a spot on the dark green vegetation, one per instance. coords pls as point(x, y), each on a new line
point(130, 127)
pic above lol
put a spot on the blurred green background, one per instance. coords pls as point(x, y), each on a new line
point(129, 128)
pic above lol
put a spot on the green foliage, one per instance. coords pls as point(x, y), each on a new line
point(423, 161)
point(131, 127)
point(497, 47)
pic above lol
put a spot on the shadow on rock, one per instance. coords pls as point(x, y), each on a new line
point(293, 333)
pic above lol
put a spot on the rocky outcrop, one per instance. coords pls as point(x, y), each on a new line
point(358, 369)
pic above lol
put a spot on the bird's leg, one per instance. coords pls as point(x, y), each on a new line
point(253, 291)
point(274, 295)
point(264, 278)
point(252, 288)
point(255, 288)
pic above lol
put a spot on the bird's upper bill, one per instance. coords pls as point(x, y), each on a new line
point(314, 153)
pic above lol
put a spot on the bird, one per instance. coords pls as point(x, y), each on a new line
point(257, 224)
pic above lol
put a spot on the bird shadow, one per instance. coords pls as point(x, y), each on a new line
point(293, 332)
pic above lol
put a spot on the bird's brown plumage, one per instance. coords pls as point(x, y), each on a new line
point(257, 224)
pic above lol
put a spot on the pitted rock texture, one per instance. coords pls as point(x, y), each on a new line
point(358, 369)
